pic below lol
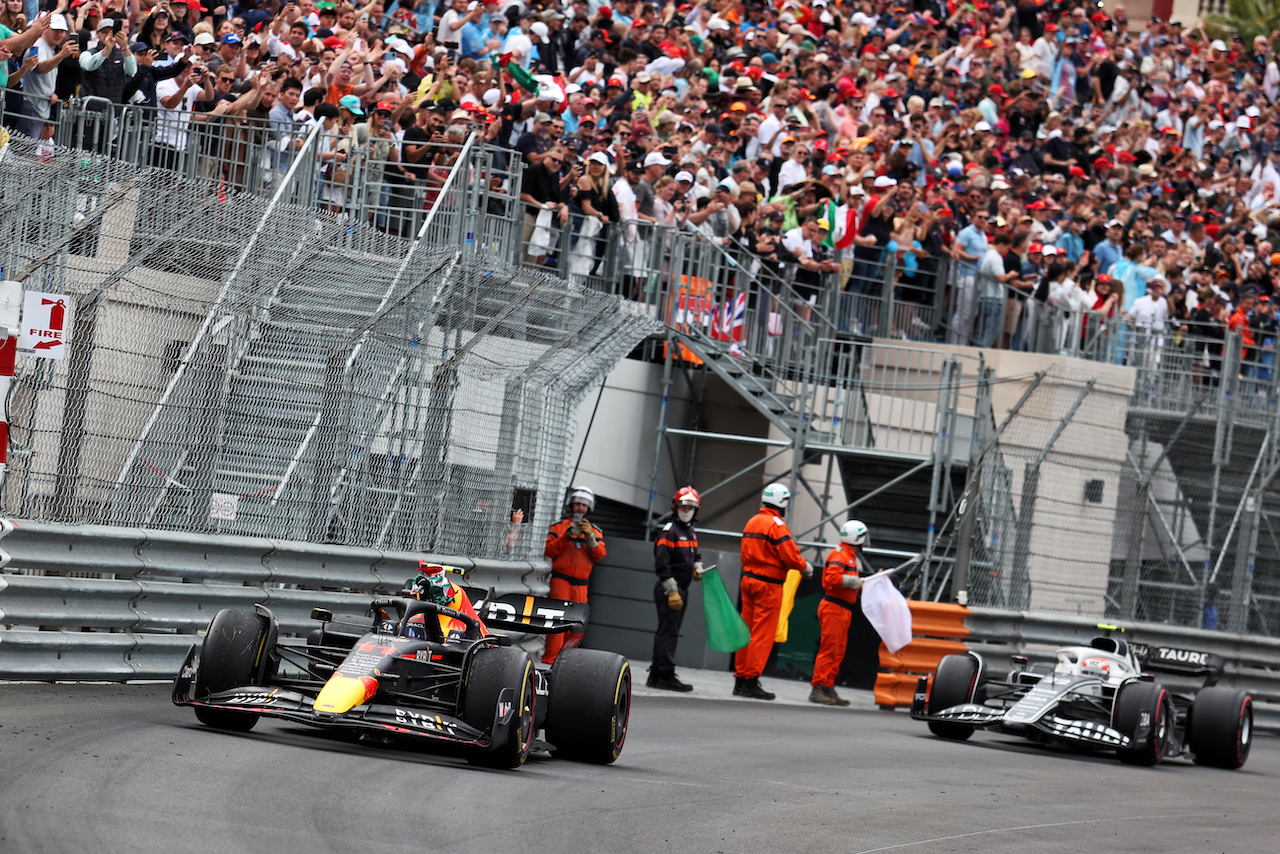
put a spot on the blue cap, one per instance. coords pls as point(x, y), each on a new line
point(767, 58)
point(352, 103)
point(231, 38)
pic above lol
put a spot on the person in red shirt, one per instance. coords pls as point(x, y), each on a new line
point(768, 552)
point(1239, 322)
point(841, 580)
point(574, 546)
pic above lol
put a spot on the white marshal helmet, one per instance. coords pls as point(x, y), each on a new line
point(583, 494)
point(776, 495)
point(854, 533)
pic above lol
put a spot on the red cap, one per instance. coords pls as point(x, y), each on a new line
point(1098, 17)
point(996, 89)
point(1104, 279)
point(1035, 247)
point(1050, 28)
point(614, 81)
point(1126, 157)
point(1036, 206)
point(385, 106)
point(820, 145)
point(1076, 172)
point(945, 212)
point(1197, 218)
point(334, 43)
point(1103, 163)
point(889, 93)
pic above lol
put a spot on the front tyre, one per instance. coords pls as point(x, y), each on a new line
point(1144, 712)
point(954, 684)
point(235, 652)
point(1220, 728)
point(589, 706)
point(492, 670)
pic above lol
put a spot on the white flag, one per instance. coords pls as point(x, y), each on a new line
point(887, 611)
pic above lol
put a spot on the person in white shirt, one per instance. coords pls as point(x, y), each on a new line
point(176, 97)
point(794, 170)
point(1149, 312)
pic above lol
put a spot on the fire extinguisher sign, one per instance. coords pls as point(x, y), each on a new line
point(44, 324)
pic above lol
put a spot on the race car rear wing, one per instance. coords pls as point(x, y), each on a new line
point(520, 612)
point(1183, 662)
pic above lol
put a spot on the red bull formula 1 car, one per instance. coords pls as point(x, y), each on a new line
point(1103, 696)
point(415, 668)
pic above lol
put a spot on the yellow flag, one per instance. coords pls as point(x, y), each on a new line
point(788, 602)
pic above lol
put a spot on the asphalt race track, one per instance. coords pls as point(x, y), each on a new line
point(106, 769)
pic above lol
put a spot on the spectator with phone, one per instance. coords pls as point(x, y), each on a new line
point(41, 82)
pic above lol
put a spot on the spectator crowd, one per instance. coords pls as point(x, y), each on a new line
point(1004, 160)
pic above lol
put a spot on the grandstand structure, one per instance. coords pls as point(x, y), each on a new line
point(245, 362)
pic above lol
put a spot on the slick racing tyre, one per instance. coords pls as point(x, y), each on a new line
point(589, 706)
point(1144, 712)
point(1220, 729)
point(493, 669)
point(235, 652)
point(954, 684)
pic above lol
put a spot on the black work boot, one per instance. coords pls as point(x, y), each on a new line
point(752, 688)
point(738, 682)
point(669, 683)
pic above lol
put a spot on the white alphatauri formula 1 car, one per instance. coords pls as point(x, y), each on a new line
point(1103, 696)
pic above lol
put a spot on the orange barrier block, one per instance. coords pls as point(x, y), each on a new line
point(895, 689)
point(938, 629)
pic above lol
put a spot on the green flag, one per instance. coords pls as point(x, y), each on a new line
point(726, 632)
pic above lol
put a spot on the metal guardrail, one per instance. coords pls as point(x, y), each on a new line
point(1252, 662)
point(101, 603)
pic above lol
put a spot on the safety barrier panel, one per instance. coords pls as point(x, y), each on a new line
point(938, 629)
point(100, 603)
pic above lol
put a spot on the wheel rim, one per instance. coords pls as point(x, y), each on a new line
point(526, 713)
point(1246, 729)
point(622, 708)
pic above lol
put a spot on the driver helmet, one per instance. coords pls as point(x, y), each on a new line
point(416, 627)
point(430, 584)
point(776, 495)
point(1094, 666)
point(686, 503)
point(854, 533)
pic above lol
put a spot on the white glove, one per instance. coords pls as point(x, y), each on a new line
point(851, 582)
point(669, 586)
point(807, 572)
point(697, 571)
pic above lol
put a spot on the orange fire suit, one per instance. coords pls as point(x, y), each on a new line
point(571, 563)
point(768, 551)
point(835, 611)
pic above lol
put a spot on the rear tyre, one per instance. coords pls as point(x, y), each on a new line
point(492, 670)
point(1220, 728)
point(235, 652)
point(589, 706)
point(1144, 712)
point(954, 684)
